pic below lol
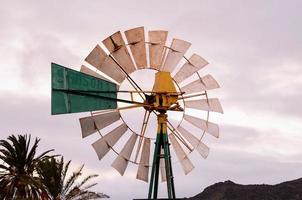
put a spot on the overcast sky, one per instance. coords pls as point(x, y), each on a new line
point(255, 53)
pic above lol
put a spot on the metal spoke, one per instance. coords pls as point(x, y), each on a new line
point(191, 96)
point(110, 91)
point(178, 136)
point(133, 106)
point(96, 96)
point(131, 81)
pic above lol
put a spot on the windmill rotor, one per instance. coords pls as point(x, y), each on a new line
point(98, 89)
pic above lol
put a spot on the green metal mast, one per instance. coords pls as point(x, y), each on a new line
point(162, 142)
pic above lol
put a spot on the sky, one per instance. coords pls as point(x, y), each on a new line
point(255, 53)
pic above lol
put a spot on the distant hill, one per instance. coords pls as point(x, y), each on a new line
point(228, 190)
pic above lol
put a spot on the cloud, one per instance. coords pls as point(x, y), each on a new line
point(271, 142)
point(254, 49)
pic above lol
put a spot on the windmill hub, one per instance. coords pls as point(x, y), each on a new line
point(164, 94)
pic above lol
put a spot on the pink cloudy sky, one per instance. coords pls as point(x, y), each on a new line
point(255, 52)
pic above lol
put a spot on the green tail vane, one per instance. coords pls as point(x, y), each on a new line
point(73, 92)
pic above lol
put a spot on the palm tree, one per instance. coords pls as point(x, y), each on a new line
point(53, 173)
point(19, 161)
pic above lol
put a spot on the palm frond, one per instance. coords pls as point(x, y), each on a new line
point(65, 169)
point(18, 179)
point(71, 180)
point(85, 180)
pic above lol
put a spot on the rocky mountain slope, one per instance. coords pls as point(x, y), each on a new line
point(291, 190)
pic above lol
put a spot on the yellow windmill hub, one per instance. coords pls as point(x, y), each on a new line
point(164, 94)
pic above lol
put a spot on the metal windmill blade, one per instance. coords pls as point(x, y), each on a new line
point(92, 124)
point(106, 64)
point(157, 41)
point(205, 104)
point(204, 83)
point(136, 41)
point(90, 72)
point(117, 47)
point(202, 149)
point(121, 162)
point(193, 65)
point(185, 162)
point(204, 125)
point(176, 52)
point(103, 145)
point(162, 168)
point(143, 166)
point(96, 89)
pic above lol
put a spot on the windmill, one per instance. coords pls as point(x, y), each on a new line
point(178, 86)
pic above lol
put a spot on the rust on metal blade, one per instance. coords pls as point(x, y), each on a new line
point(116, 46)
point(136, 41)
point(114, 42)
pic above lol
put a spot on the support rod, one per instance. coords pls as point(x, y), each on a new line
point(69, 91)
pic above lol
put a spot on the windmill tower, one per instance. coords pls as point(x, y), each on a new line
point(96, 89)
